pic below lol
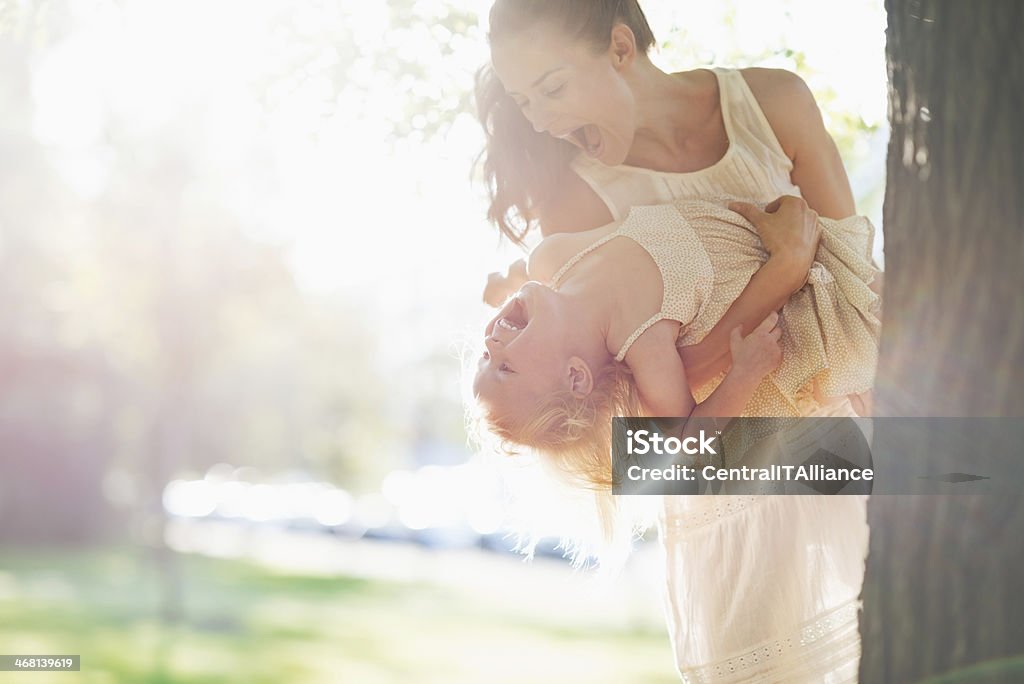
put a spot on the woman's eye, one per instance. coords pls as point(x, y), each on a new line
point(504, 368)
point(555, 91)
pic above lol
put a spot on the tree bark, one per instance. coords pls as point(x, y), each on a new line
point(941, 592)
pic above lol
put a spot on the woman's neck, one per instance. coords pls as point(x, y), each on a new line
point(671, 110)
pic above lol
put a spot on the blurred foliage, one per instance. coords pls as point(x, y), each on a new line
point(400, 51)
point(144, 330)
point(435, 93)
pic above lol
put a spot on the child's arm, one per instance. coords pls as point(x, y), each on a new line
point(660, 375)
point(789, 230)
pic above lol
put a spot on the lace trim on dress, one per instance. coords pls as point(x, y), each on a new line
point(710, 509)
point(795, 657)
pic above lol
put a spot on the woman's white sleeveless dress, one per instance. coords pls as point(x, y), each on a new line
point(759, 588)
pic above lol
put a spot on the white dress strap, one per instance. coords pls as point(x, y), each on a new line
point(745, 121)
point(754, 167)
point(636, 334)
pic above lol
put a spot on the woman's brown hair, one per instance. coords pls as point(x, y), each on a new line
point(523, 168)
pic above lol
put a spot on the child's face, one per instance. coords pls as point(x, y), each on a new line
point(526, 353)
point(568, 91)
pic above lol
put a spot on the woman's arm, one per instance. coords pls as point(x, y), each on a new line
point(789, 231)
point(768, 290)
point(818, 169)
point(576, 207)
point(795, 119)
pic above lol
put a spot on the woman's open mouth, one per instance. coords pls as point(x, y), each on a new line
point(589, 139)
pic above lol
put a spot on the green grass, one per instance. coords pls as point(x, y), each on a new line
point(241, 623)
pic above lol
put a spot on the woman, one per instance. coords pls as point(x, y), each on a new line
point(581, 126)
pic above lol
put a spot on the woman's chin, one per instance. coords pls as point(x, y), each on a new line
point(609, 155)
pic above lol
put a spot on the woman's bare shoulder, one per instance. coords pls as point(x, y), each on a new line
point(701, 78)
point(769, 85)
point(786, 101)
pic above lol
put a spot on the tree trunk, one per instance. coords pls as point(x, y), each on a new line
point(941, 592)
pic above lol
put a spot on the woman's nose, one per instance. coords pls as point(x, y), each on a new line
point(541, 119)
point(491, 343)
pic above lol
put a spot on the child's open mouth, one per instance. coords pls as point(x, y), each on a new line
point(514, 316)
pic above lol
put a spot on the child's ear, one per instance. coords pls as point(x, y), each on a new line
point(581, 380)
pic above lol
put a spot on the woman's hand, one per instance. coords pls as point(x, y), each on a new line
point(499, 286)
point(759, 353)
point(789, 231)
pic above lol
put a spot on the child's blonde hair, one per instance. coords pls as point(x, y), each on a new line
point(572, 434)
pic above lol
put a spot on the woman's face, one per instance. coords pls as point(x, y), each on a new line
point(525, 354)
point(567, 90)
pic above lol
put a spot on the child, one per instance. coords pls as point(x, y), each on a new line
point(631, 302)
